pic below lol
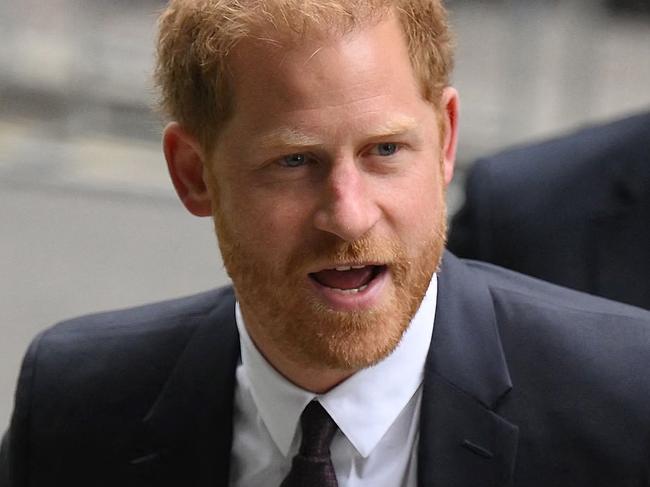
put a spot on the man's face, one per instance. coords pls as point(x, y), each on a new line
point(328, 195)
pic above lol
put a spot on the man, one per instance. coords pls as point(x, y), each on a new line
point(320, 136)
point(573, 210)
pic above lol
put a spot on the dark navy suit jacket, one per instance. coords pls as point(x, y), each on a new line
point(526, 384)
point(574, 211)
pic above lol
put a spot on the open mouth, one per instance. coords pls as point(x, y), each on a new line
point(350, 278)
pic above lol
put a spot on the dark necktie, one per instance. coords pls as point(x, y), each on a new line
point(312, 465)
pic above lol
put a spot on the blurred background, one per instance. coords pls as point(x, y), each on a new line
point(88, 219)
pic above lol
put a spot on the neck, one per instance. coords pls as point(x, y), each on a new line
point(309, 377)
point(318, 380)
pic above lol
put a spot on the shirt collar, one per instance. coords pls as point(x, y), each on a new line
point(355, 403)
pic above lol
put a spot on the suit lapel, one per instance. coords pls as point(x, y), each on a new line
point(463, 441)
point(187, 433)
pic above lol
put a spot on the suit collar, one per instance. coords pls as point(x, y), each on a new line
point(187, 433)
point(463, 441)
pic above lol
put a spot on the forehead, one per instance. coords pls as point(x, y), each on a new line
point(322, 71)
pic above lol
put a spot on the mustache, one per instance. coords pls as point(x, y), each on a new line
point(330, 250)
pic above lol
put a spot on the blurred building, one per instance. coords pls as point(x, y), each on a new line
point(525, 69)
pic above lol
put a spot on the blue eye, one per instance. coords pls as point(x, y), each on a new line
point(386, 149)
point(293, 160)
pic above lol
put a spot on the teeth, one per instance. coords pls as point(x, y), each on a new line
point(353, 291)
point(343, 268)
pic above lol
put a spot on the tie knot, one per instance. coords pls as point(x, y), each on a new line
point(312, 465)
point(318, 430)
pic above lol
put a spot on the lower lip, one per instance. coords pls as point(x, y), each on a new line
point(353, 301)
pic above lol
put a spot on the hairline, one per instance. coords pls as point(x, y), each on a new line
point(290, 42)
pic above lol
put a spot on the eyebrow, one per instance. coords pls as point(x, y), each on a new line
point(396, 126)
point(291, 137)
point(285, 137)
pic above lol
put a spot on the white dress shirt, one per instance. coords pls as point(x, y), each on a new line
point(376, 410)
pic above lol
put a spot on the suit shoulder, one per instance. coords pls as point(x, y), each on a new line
point(587, 349)
point(153, 318)
point(516, 288)
point(137, 345)
point(87, 383)
point(577, 367)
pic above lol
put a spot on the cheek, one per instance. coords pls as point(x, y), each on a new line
point(420, 191)
point(265, 222)
point(419, 209)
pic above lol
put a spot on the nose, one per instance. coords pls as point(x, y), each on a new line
point(347, 207)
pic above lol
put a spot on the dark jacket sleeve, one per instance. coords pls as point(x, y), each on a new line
point(14, 452)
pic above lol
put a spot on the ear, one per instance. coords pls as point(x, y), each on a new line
point(185, 161)
point(449, 105)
